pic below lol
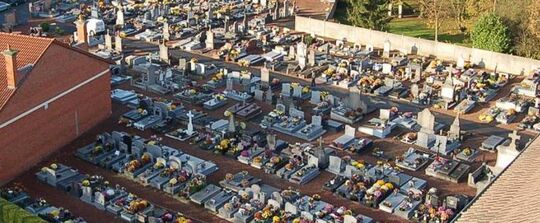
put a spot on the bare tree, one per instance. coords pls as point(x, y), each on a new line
point(435, 11)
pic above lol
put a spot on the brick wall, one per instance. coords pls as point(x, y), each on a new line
point(29, 140)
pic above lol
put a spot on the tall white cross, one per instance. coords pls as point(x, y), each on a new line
point(190, 124)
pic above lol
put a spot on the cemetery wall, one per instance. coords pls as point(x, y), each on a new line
point(491, 60)
point(32, 138)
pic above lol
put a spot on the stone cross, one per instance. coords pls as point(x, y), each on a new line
point(108, 41)
point(190, 123)
point(515, 138)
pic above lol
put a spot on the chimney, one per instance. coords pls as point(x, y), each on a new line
point(10, 57)
point(81, 30)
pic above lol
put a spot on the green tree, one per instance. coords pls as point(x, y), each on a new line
point(371, 14)
point(45, 26)
point(490, 33)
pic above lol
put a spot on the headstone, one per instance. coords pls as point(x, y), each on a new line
point(295, 112)
point(460, 62)
point(210, 39)
point(164, 53)
point(315, 97)
point(226, 24)
point(281, 108)
point(297, 91)
point(290, 208)
point(286, 89)
point(335, 165)
point(455, 129)
point(120, 16)
point(269, 95)
point(166, 32)
point(265, 75)
point(385, 114)
point(316, 120)
point(230, 83)
point(232, 124)
point(292, 53)
point(118, 44)
point(301, 51)
point(189, 130)
point(108, 41)
point(386, 49)
point(350, 218)
point(311, 58)
point(258, 94)
point(427, 121)
point(415, 91)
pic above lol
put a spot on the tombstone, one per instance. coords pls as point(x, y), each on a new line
point(118, 44)
point(164, 53)
point(269, 95)
point(355, 100)
point(275, 16)
point(311, 58)
point(182, 64)
point(265, 75)
point(226, 24)
point(295, 112)
point(349, 219)
point(108, 41)
point(335, 165)
point(415, 91)
point(281, 108)
point(460, 62)
point(286, 89)
point(245, 24)
point(229, 86)
point(386, 49)
point(385, 114)
point(120, 16)
point(455, 129)
point(286, 8)
point(210, 42)
point(232, 124)
point(290, 208)
point(292, 52)
point(264, 3)
point(189, 130)
point(427, 121)
point(235, 27)
point(507, 152)
point(316, 120)
point(301, 51)
point(400, 10)
point(414, 50)
point(386, 68)
point(258, 94)
point(166, 32)
point(210, 13)
point(297, 91)
point(315, 97)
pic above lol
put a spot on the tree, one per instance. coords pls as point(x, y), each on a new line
point(490, 33)
point(534, 18)
point(371, 14)
point(45, 27)
point(435, 11)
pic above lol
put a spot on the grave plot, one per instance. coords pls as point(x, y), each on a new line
point(413, 159)
point(96, 191)
point(38, 207)
point(451, 170)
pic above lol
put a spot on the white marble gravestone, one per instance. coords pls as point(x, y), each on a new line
point(386, 49)
point(315, 97)
point(265, 75)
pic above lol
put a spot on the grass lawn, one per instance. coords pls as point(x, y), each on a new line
point(416, 27)
point(412, 26)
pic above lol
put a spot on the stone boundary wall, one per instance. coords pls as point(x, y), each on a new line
point(490, 60)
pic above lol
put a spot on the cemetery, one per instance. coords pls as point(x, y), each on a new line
point(222, 107)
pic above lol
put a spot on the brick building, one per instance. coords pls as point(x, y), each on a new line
point(50, 93)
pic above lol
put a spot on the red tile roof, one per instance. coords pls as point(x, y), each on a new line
point(30, 51)
point(513, 196)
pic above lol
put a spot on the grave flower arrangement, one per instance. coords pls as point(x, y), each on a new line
point(136, 164)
